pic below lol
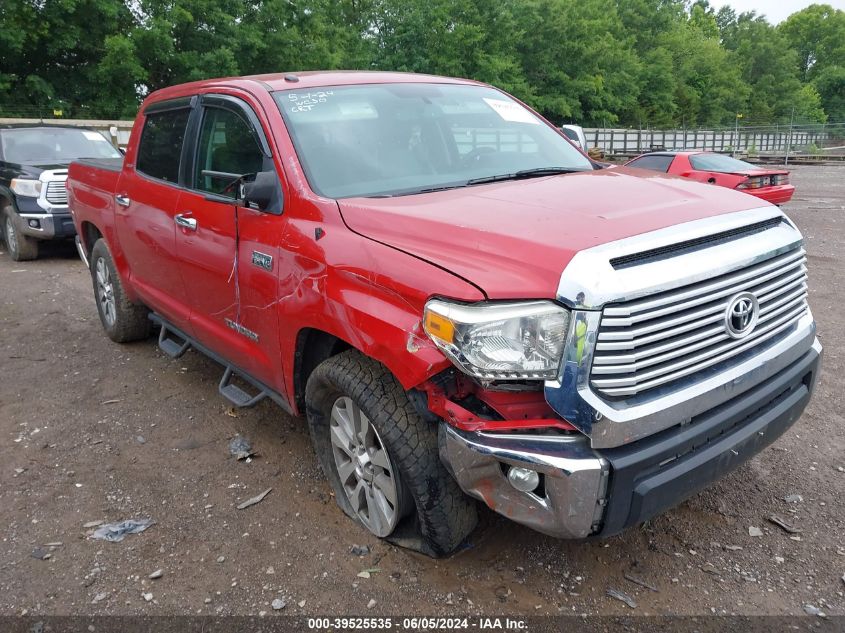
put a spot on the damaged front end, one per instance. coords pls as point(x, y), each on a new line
point(658, 388)
point(507, 447)
point(498, 436)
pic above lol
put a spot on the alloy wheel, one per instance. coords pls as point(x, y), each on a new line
point(11, 236)
point(364, 468)
point(105, 292)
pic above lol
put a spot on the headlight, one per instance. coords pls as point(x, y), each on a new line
point(505, 341)
point(26, 187)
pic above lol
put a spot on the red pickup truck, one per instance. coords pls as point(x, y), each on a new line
point(460, 302)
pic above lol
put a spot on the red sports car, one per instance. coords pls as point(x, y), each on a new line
point(769, 184)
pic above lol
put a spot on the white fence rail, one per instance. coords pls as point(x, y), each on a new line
point(623, 141)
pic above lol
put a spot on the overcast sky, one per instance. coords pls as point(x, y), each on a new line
point(775, 10)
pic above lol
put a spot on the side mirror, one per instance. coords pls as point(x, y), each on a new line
point(263, 193)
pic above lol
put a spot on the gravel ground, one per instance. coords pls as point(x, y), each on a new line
point(94, 431)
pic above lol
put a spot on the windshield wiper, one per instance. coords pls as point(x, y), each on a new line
point(413, 192)
point(537, 172)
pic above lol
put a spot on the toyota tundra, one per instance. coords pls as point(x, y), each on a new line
point(461, 303)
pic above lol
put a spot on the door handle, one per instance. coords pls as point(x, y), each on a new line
point(122, 200)
point(185, 222)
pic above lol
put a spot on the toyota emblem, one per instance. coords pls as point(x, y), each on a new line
point(741, 315)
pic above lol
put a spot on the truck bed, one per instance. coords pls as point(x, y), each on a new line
point(109, 164)
point(91, 186)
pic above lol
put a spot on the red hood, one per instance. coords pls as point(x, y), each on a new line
point(513, 239)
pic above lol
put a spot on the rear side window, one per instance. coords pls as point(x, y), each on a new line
point(719, 163)
point(161, 144)
point(657, 162)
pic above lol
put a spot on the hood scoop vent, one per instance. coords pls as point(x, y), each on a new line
point(680, 248)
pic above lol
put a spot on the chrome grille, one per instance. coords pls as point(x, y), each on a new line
point(56, 192)
point(657, 340)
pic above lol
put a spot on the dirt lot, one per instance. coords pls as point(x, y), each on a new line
point(94, 431)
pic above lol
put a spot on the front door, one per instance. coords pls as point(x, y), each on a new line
point(232, 293)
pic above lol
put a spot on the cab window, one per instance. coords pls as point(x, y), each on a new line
point(161, 144)
point(227, 148)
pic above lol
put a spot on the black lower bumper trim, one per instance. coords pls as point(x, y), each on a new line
point(659, 472)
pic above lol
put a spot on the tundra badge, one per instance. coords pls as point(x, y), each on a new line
point(262, 260)
point(240, 329)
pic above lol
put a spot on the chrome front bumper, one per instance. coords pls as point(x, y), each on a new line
point(49, 226)
point(587, 492)
point(574, 478)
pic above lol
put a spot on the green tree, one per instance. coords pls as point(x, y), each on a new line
point(464, 38)
point(647, 21)
point(817, 33)
point(281, 35)
point(120, 70)
point(830, 86)
point(709, 86)
point(770, 67)
point(578, 61)
point(51, 50)
point(628, 62)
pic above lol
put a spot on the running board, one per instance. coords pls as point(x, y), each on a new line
point(234, 394)
point(172, 343)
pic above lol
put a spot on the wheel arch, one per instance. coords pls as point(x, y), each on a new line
point(403, 353)
point(89, 233)
point(6, 199)
point(313, 346)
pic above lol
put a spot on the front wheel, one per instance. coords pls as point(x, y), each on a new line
point(21, 247)
point(381, 457)
point(122, 320)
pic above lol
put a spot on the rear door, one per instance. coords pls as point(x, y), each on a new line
point(145, 206)
point(229, 253)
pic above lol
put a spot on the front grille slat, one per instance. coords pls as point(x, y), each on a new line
point(667, 327)
point(663, 344)
point(700, 296)
point(654, 341)
point(626, 388)
point(663, 338)
point(756, 271)
point(56, 192)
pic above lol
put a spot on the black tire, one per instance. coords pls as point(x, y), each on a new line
point(440, 516)
point(21, 247)
point(129, 321)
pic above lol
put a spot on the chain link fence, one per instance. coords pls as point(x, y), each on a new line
point(776, 141)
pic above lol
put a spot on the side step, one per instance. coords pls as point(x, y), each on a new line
point(172, 343)
point(234, 394)
point(175, 343)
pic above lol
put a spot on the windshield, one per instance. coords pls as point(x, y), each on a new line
point(720, 163)
point(54, 145)
point(395, 139)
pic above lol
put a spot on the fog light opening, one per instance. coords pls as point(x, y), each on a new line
point(34, 224)
point(523, 479)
